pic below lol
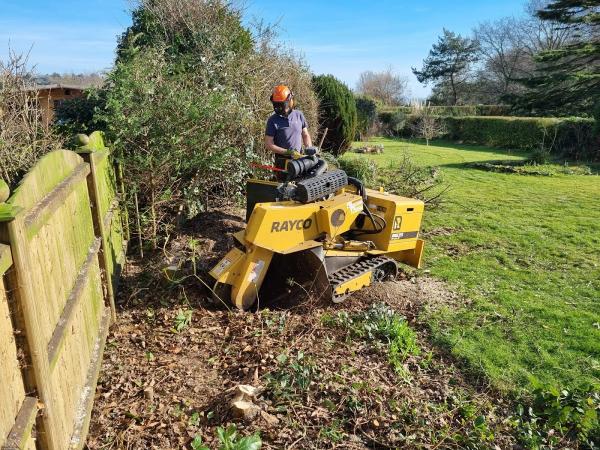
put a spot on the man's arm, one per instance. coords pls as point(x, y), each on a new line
point(306, 137)
point(270, 145)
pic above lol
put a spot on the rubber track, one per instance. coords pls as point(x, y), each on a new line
point(355, 270)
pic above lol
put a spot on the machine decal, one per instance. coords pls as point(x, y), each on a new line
point(338, 218)
point(355, 207)
point(405, 235)
point(288, 225)
point(397, 222)
point(256, 271)
point(220, 268)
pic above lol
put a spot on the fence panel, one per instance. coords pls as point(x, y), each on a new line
point(59, 289)
point(17, 411)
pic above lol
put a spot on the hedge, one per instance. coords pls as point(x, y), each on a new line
point(457, 111)
point(570, 137)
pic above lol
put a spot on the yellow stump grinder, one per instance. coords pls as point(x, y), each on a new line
point(318, 230)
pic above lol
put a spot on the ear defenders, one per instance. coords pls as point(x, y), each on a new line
point(290, 99)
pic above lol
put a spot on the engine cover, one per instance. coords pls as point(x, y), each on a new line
point(315, 188)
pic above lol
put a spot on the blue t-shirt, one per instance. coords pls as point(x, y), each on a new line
point(287, 131)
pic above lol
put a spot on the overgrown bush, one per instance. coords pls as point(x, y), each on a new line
point(78, 115)
point(24, 137)
point(337, 113)
point(569, 137)
point(187, 102)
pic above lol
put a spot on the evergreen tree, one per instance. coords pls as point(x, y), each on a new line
point(337, 110)
point(366, 110)
point(567, 79)
point(448, 64)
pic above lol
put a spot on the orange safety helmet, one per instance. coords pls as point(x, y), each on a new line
point(282, 99)
point(281, 93)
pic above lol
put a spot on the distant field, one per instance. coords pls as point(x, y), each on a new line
point(526, 250)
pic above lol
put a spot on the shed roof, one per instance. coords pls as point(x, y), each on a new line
point(44, 87)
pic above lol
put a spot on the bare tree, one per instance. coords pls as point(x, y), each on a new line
point(507, 50)
point(428, 126)
point(503, 57)
point(537, 35)
point(387, 86)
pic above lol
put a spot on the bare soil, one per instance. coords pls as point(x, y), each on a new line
point(159, 387)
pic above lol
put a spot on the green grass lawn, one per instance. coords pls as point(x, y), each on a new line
point(526, 250)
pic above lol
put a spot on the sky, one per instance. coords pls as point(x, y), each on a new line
point(339, 37)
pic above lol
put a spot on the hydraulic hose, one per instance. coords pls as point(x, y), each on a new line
point(377, 227)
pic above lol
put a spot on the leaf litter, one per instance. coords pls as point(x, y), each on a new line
point(174, 361)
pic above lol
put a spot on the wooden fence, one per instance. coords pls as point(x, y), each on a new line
point(61, 248)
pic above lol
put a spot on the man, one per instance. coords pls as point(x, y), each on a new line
point(286, 128)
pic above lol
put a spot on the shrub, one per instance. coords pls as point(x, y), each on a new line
point(364, 169)
point(186, 105)
point(366, 111)
point(555, 414)
point(76, 115)
point(570, 137)
point(337, 112)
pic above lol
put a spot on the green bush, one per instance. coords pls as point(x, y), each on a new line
point(398, 123)
point(568, 137)
point(337, 111)
point(187, 102)
point(366, 110)
point(76, 115)
point(364, 169)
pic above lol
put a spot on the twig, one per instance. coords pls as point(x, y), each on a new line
point(139, 226)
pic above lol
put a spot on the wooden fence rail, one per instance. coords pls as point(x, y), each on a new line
point(61, 249)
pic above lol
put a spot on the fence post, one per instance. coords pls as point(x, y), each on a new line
point(86, 150)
